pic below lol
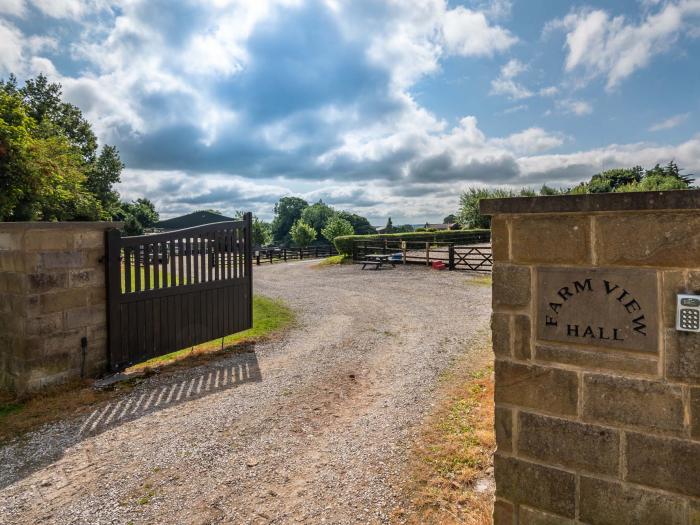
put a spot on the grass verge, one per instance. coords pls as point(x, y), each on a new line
point(270, 316)
point(480, 280)
point(335, 259)
point(451, 468)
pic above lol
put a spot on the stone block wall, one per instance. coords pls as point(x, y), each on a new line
point(52, 295)
point(596, 426)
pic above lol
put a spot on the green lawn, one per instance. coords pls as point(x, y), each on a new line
point(154, 274)
point(269, 316)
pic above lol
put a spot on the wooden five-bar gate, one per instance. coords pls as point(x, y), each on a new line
point(173, 290)
point(472, 254)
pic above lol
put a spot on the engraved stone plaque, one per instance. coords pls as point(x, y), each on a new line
point(615, 308)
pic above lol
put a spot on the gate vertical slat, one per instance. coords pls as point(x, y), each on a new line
point(147, 265)
point(127, 270)
point(241, 253)
point(195, 260)
point(137, 269)
point(229, 253)
point(188, 257)
point(171, 272)
point(217, 255)
point(201, 260)
point(163, 265)
point(180, 263)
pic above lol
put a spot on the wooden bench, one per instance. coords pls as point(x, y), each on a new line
point(376, 264)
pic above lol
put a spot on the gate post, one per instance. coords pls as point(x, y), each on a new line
point(113, 283)
point(248, 228)
point(451, 256)
point(566, 392)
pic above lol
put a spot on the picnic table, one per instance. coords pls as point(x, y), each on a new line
point(377, 260)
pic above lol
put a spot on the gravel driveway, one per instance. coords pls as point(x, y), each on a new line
point(312, 428)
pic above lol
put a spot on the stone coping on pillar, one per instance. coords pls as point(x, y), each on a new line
point(46, 225)
point(594, 202)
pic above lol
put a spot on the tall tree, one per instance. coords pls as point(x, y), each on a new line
point(43, 174)
point(43, 98)
point(302, 234)
point(360, 224)
point(288, 210)
point(262, 232)
point(469, 215)
point(137, 216)
point(55, 159)
point(103, 175)
point(336, 227)
point(317, 216)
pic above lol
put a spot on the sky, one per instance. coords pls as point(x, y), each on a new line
point(384, 108)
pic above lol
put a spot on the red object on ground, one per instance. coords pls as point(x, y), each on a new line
point(438, 265)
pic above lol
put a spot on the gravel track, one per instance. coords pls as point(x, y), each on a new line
point(315, 427)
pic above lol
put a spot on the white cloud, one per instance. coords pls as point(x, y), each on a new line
point(505, 83)
point(670, 122)
point(71, 9)
point(13, 7)
point(495, 9)
point(468, 33)
point(613, 47)
point(11, 48)
point(575, 107)
point(206, 115)
point(531, 140)
point(514, 109)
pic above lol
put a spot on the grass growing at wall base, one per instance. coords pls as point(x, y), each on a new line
point(9, 408)
point(269, 316)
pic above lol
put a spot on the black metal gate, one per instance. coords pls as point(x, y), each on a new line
point(173, 290)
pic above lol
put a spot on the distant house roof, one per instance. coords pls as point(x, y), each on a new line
point(450, 226)
point(197, 218)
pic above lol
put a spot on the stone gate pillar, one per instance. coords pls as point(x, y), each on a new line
point(597, 392)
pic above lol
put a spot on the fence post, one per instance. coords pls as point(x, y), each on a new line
point(451, 256)
point(384, 249)
point(427, 253)
point(113, 277)
point(301, 253)
point(403, 249)
point(269, 256)
point(316, 251)
point(257, 258)
point(284, 251)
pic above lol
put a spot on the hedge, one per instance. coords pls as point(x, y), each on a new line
point(344, 244)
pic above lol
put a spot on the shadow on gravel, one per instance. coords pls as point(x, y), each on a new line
point(158, 393)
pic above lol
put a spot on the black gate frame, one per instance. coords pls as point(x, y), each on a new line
point(177, 289)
